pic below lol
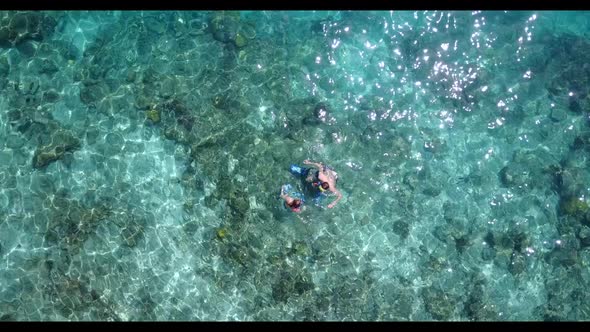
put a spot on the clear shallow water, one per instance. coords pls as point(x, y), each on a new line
point(141, 154)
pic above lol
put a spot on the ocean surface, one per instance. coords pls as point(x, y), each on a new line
point(142, 155)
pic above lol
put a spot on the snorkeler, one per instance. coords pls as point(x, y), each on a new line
point(324, 178)
point(293, 203)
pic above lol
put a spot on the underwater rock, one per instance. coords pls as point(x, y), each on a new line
point(5, 39)
point(150, 76)
point(4, 66)
point(27, 48)
point(219, 102)
point(573, 206)
point(432, 143)
point(176, 107)
point(50, 96)
point(19, 27)
point(131, 75)
point(434, 264)
point(584, 236)
point(438, 303)
point(578, 104)
point(191, 227)
point(475, 307)
point(175, 135)
point(240, 40)
point(49, 67)
point(61, 143)
point(131, 234)
point(489, 239)
point(92, 135)
point(400, 146)
point(320, 114)
point(401, 228)
point(221, 233)
point(142, 102)
point(514, 175)
point(7, 318)
point(239, 253)
point(461, 243)
point(452, 211)
point(291, 283)
point(168, 87)
point(248, 29)
point(527, 169)
point(91, 93)
point(517, 264)
point(45, 157)
point(582, 141)
point(558, 114)
point(443, 234)
point(300, 248)
point(41, 184)
point(504, 242)
point(114, 143)
point(431, 190)
point(153, 115)
point(6, 157)
point(571, 181)
point(569, 56)
point(155, 25)
point(224, 25)
point(565, 257)
point(365, 220)
point(488, 253)
point(411, 180)
point(224, 102)
point(43, 66)
point(72, 223)
point(239, 203)
point(197, 27)
point(565, 253)
point(537, 58)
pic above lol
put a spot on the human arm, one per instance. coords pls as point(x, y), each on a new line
point(319, 166)
point(338, 197)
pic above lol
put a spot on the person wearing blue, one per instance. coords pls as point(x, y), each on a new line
point(293, 200)
point(321, 177)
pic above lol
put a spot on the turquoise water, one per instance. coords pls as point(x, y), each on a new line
point(142, 153)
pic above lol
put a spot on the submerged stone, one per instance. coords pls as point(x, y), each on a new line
point(438, 303)
point(50, 96)
point(488, 253)
point(514, 175)
point(240, 40)
point(224, 25)
point(574, 206)
point(153, 115)
point(132, 234)
point(61, 143)
point(92, 93)
point(558, 114)
point(4, 66)
point(401, 228)
point(517, 264)
point(584, 236)
point(222, 233)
